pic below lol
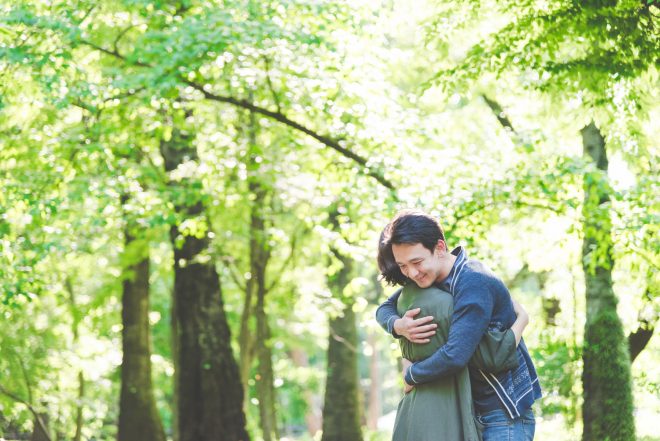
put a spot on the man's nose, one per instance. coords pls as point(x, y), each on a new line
point(412, 273)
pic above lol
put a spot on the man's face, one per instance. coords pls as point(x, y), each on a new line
point(419, 264)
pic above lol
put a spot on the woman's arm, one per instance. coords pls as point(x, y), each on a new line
point(496, 351)
point(522, 320)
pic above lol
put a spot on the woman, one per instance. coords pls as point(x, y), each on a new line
point(443, 410)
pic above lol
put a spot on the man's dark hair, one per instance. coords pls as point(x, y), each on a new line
point(407, 227)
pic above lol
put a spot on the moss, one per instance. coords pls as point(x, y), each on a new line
point(608, 406)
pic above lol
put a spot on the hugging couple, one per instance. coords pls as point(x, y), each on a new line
point(467, 372)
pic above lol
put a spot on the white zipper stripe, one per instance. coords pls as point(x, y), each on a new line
point(504, 391)
point(411, 375)
point(455, 279)
point(498, 394)
point(521, 397)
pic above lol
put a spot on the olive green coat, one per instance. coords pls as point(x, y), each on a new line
point(443, 409)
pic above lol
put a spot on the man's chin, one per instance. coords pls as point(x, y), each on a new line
point(422, 284)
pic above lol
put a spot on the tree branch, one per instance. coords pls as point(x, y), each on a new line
point(644, 255)
point(286, 263)
point(29, 406)
point(499, 114)
point(119, 37)
point(270, 85)
point(233, 274)
point(113, 53)
point(295, 125)
point(86, 14)
point(639, 339)
point(277, 116)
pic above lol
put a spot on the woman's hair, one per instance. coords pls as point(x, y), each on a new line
point(407, 227)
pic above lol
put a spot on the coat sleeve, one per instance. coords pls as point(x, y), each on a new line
point(496, 352)
point(386, 314)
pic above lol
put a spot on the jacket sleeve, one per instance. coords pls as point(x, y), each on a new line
point(473, 308)
point(386, 313)
point(496, 352)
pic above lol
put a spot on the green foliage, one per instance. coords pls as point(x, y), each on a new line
point(608, 357)
point(89, 90)
point(558, 363)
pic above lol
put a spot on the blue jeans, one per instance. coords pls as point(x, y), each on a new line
point(499, 427)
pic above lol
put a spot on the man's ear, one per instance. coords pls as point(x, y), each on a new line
point(441, 246)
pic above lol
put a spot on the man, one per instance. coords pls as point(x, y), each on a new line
point(413, 249)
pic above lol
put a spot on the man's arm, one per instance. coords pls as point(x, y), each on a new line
point(414, 330)
point(386, 313)
point(473, 308)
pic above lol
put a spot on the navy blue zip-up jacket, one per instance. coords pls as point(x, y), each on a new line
point(481, 302)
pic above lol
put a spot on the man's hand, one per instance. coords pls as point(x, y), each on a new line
point(406, 364)
point(415, 330)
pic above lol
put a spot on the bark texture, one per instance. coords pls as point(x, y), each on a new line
point(341, 409)
point(607, 411)
point(138, 416)
point(209, 387)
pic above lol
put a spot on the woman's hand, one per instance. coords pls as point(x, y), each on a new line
point(518, 308)
point(406, 364)
point(521, 322)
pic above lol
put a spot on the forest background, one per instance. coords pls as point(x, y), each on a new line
point(192, 193)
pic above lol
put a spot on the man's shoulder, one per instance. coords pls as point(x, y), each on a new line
point(476, 279)
point(474, 271)
point(477, 266)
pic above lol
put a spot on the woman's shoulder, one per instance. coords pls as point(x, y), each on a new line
point(415, 297)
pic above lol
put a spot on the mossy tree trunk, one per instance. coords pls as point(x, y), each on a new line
point(341, 408)
point(138, 416)
point(209, 387)
point(607, 411)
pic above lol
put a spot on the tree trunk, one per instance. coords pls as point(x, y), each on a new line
point(40, 431)
point(313, 401)
point(259, 343)
point(341, 408)
point(265, 380)
point(138, 416)
point(79, 410)
point(76, 316)
point(375, 406)
point(259, 256)
point(174, 339)
point(209, 386)
point(607, 410)
point(246, 341)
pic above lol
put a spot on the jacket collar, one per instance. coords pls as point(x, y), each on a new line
point(449, 284)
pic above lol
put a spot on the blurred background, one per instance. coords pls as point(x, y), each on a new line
point(192, 193)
